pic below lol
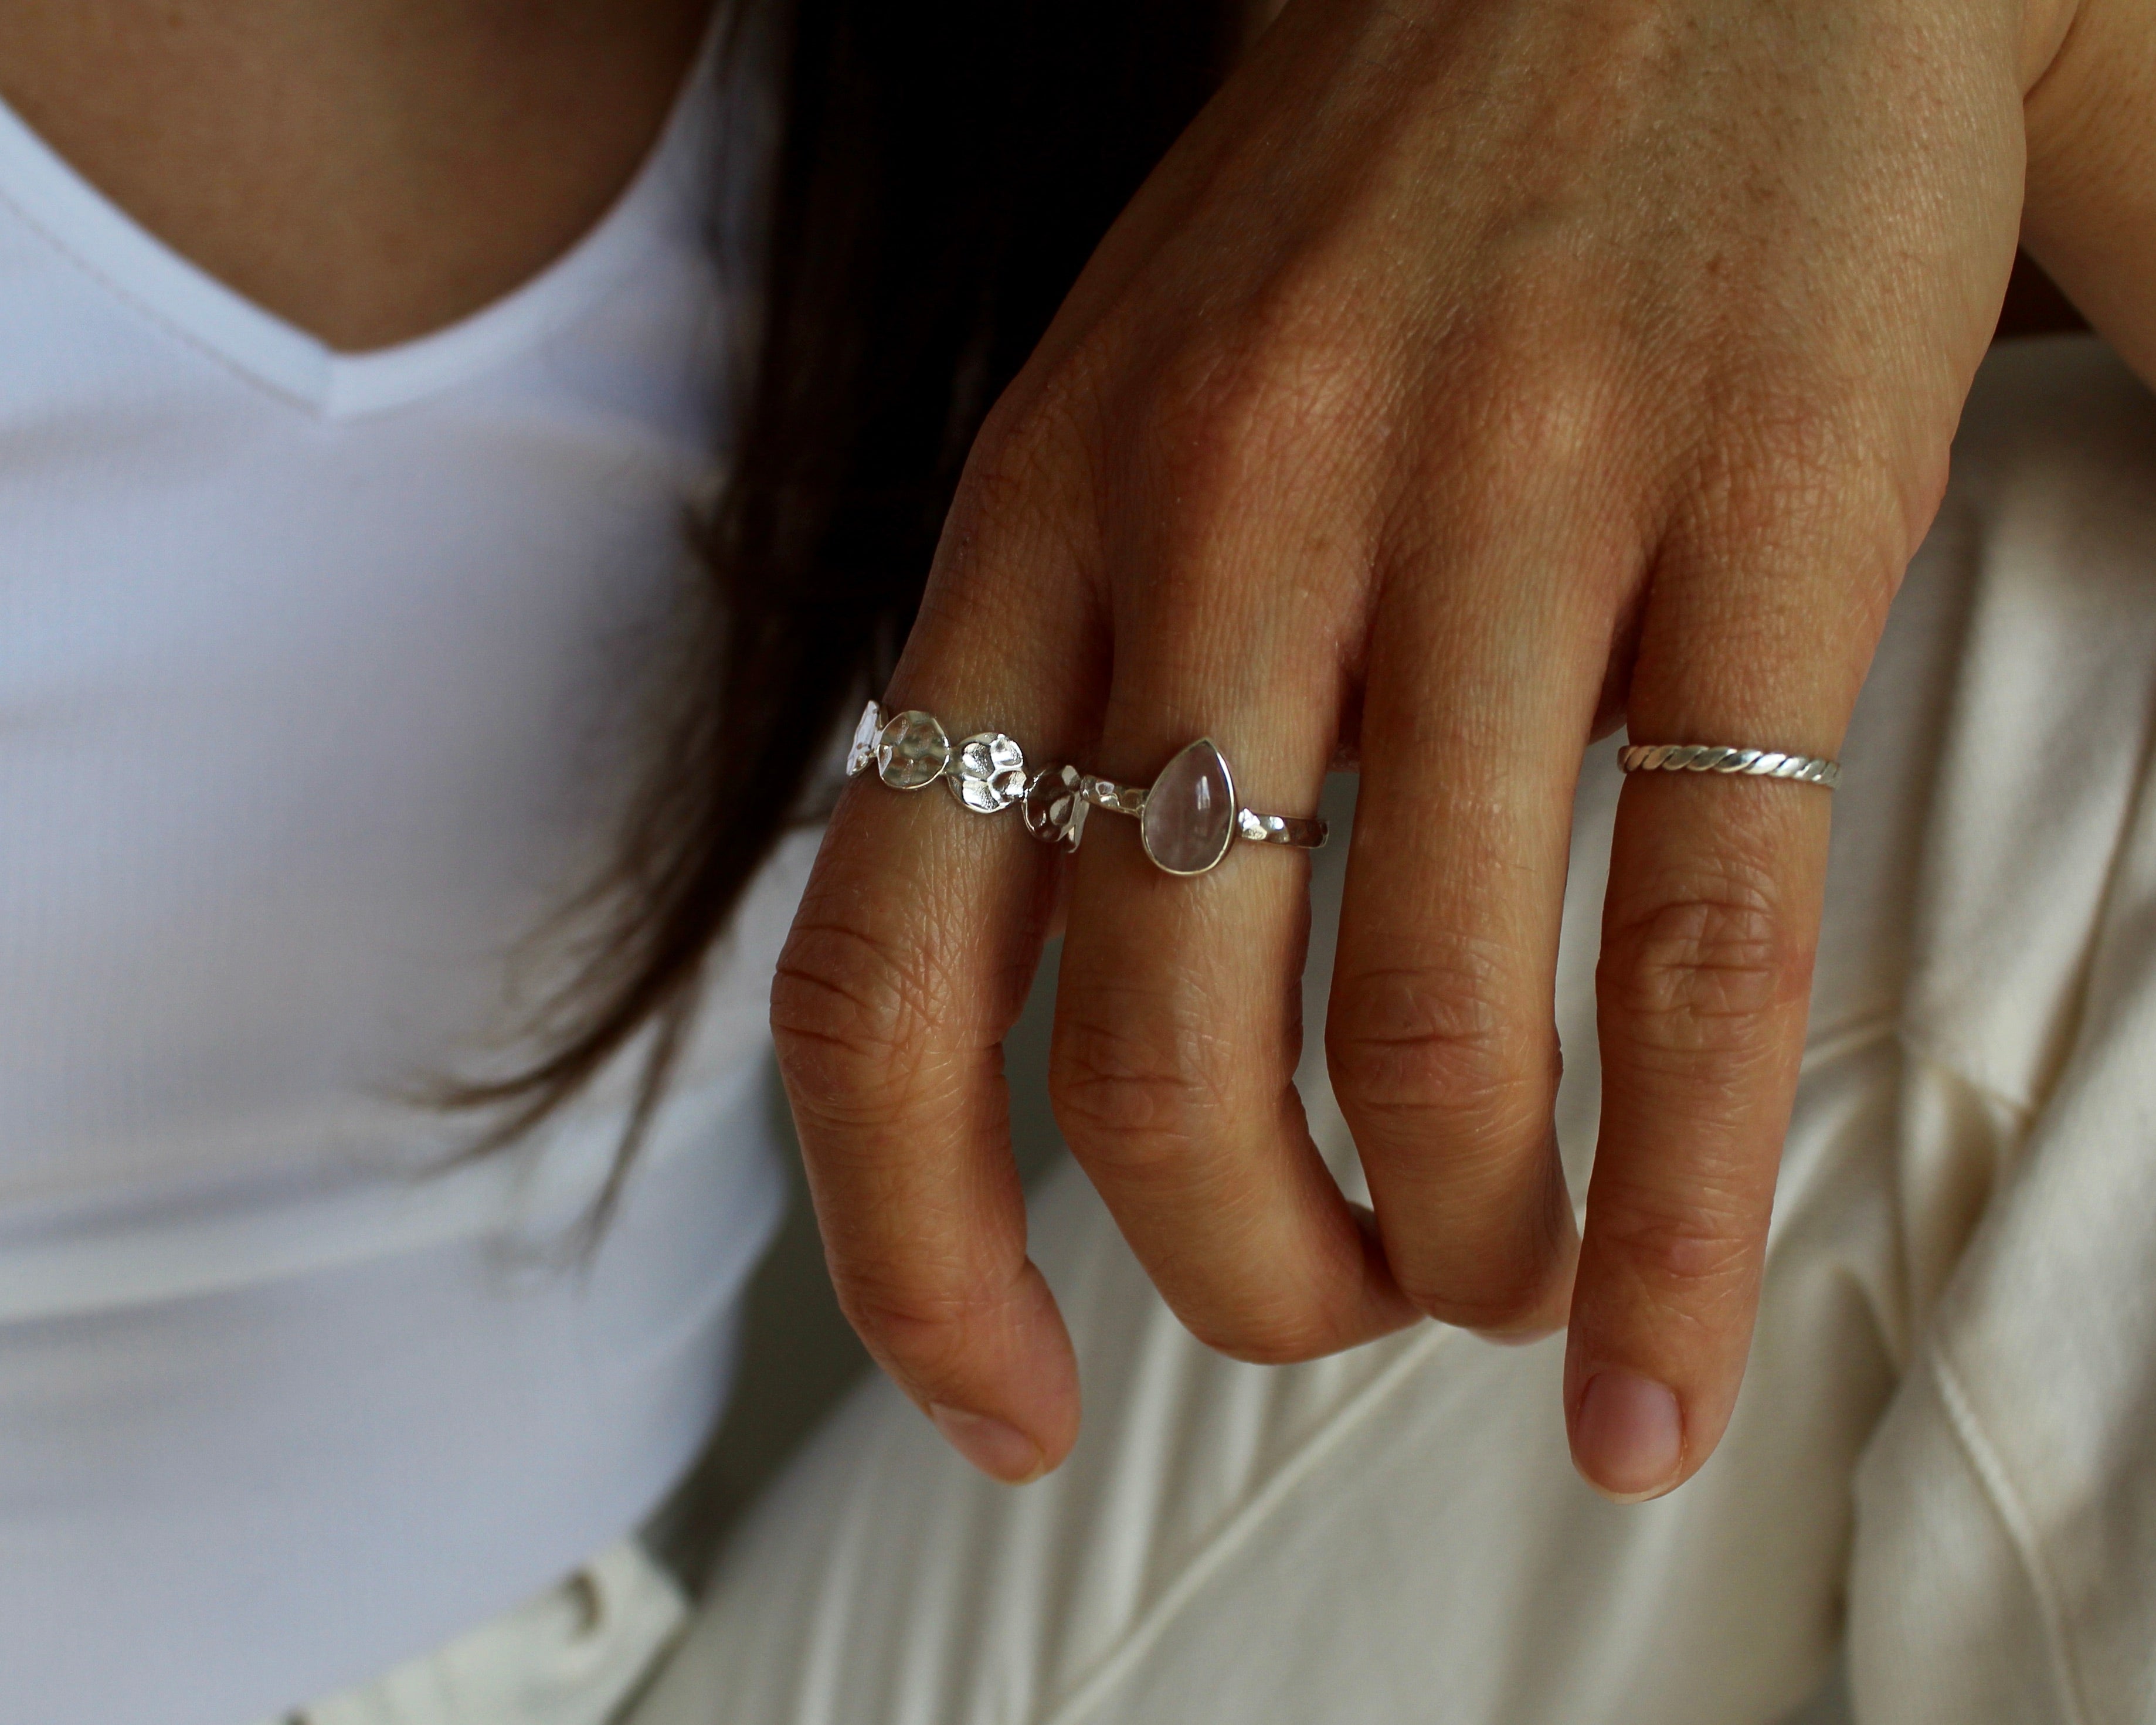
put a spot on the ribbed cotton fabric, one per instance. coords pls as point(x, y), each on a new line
point(320, 678)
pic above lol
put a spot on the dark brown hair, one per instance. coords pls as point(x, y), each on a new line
point(942, 169)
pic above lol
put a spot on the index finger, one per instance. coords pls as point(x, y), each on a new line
point(908, 963)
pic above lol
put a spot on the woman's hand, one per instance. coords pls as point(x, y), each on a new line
point(1470, 377)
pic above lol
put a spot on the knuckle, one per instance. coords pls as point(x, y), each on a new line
point(1536, 408)
point(1500, 1302)
point(1496, 1274)
point(1699, 1244)
point(1270, 407)
point(1704, 971)
point(1787, 449)
point(851, 1014)
point(1545, 412)
point(1784, 462)
point(1128, 1087)
point(1024, 439)
point(1545, 382)
point(923, 1320)
point(1410, 1046)
point(1019, 498)
point(1278, 1337)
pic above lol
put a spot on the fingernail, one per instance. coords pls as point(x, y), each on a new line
point(1001, 1451)
point(1629, 1438)
point(1525, 1337)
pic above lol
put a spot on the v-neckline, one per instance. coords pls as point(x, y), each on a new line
point(159, 283)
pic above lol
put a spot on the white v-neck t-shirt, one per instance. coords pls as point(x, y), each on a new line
point(319, 683)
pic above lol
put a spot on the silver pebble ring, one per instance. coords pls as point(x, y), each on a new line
point(1188, 818)
point(1713, 757)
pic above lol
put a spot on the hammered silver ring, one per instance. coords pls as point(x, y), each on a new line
point(1713, 757)
point(1188, 818)
point(986, 772)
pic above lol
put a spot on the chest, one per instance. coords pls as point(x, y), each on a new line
point(367, 170)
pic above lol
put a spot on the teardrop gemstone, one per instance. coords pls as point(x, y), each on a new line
point(1189, 818)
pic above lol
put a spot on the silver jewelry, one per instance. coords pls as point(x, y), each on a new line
point(1188, 816)
point(1711, 758)
point(985, 772)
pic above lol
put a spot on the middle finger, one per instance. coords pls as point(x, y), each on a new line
point(1488, 657)
point(1179, 1013)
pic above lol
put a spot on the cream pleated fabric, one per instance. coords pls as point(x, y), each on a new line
point(1942, 1468)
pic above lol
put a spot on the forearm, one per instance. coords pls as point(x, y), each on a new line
point(2091, 213)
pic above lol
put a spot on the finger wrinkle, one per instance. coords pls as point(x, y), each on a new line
point(1135, 1093)
point(1686, 1262)
point(1709, 964)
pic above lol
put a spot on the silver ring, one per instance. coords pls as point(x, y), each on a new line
point(1189, 816)
point(1712, 757)
point(986, 772)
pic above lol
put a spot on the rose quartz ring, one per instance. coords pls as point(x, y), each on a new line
point(1188, 818)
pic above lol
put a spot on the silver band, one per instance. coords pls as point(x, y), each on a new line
point(1188, 818)
point(1258, 828)
point(1712, 757)
point(1116, 798)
